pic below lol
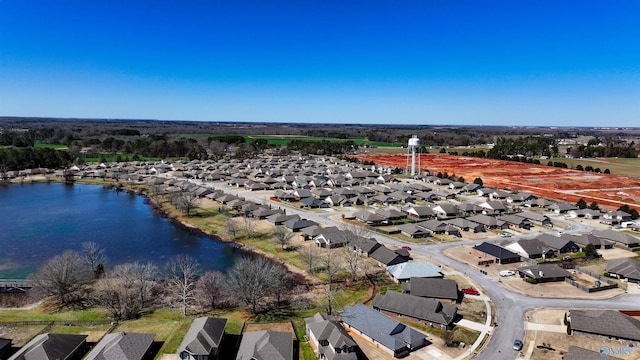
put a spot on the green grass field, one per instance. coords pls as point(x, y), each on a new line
point(278, 140)
point(41, 145)
point(617, 166)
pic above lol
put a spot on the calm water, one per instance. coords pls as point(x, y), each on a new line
point(39, 221)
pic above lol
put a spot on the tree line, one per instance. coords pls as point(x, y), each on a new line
point(80, 278)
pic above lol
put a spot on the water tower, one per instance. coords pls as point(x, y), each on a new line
point(413, 149)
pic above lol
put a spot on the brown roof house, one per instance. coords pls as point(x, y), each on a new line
point(202, 341)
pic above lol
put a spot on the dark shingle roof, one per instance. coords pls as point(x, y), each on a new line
point(432, 288)
point(121, 346)
point(266, 345)
point(379, 327)
point(203, 336)
point(607, 323)
point(50, 347)
point(496, 251)
point(628, 268)
point(417, 307)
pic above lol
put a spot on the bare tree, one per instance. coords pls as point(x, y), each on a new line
point(330, 265)
point(282, 283)
point(186, 201)
point(117, 296)
point(141, 278)
point(282, 235)
point(310, 257)
point(249, 226)
point(232, 229)
point(182, 271)
point(250, 280)
point(63, 276)
point(352, 252)
point(210, 288)
point(94, 256)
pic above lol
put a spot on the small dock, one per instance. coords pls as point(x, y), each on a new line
point(15, 285)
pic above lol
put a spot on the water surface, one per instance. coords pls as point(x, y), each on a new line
point(39, 221)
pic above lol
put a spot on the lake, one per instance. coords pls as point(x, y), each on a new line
point(41, 220)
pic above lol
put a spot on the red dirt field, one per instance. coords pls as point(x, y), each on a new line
point(607, 190)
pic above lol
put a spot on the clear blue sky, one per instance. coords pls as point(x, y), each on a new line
point(513, 62)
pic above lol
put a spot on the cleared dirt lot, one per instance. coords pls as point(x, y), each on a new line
point(544, 181)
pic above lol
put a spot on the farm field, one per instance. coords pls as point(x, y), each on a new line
point(609, 190)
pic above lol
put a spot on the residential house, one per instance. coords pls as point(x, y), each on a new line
point(309, 233)
point(562, 244)
point(465, 225)
point(202, 340)
point(330, 238)
point(416, 269)
point(266, 344)
point(561, 207)
point(370, 218)
point(313, 203)
point(329, 339)
point(544, 272)
point(445, 211)
point(520, 197)
point(122, 346)
point(489, 222)
point(296, 225)
point(434, 288)
point(578, 353)
point(531, 248)
point(422, 309)
point(584, 213)
point(492, 207)
point(618, 237)
point(499, 254)
point(5, 348)
point(467, 209)
point(390, 214)
point(607, 323)
point(535, 217)
point(439, 227)
point(386, 257)
point(520, 222)
point(590, 239)
point(615, 217)
point(624, 269)
point(418, 212)
point(52, 347)
point(388, 334)
point(413, 231)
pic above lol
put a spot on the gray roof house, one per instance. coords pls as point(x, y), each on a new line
point(329, 339)
point(387, 257)
point(5, 348)
point(435, 288)
point(544, 272)
point(531, 248)
point(608, 323)
point(619, 237)
point(624, 268)
point(394, 337)
point(203, 339)
point(408, 270)
point(121, 346)
point(266, 345)
point(578, 353)
point(419, 308)
point(51, 347)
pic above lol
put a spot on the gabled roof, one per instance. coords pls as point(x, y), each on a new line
point(266, 345)
point(628, 268)
point(417, 307)
point(578, 353)
point(544, 271)
point(617, 237)
point(50, 347)
point(432, 288)
point(496, 251)
point(414, 269)
point(121, 346)
point(556, 242)
point(203, 336)
point(379, 327)
point(327, 328)
point(606, 322)
point(386, 256)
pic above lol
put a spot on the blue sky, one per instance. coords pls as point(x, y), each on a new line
point(534, 63)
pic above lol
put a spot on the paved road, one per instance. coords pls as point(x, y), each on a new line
point(510, 307)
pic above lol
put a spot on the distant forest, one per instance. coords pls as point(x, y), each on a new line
point(42, 142)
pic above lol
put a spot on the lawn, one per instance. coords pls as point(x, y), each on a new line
point(41, 145)
point(617, 166)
